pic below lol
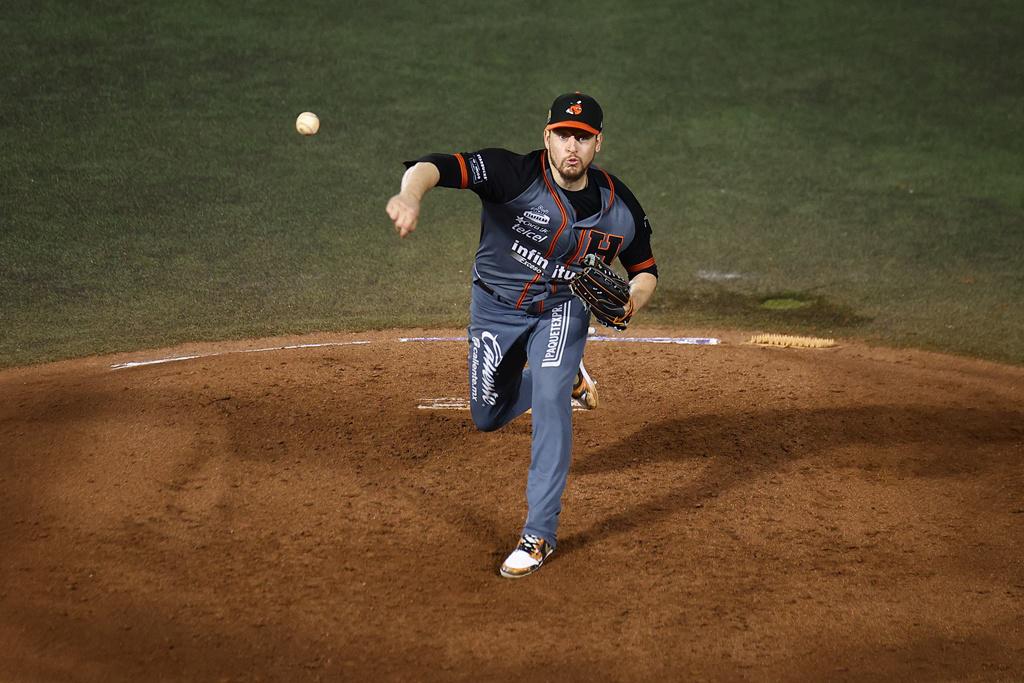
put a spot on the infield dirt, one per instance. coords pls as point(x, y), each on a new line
point(733, 512)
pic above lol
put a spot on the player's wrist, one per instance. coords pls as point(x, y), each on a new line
point(410, 197)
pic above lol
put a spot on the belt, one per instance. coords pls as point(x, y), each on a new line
point(484, 286)
point(535, 307)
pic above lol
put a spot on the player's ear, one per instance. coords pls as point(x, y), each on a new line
point(547, 134)
point(597, 145)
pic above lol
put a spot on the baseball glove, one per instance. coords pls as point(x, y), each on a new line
point(603, 292)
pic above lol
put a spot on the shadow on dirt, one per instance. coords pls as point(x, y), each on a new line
point(947, 442)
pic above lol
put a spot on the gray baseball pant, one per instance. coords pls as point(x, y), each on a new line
point(502, 341)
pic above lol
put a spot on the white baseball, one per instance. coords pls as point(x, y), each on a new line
point(308, 123)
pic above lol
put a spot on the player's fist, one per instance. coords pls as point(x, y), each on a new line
point(404, 211)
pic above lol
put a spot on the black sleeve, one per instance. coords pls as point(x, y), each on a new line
point(637, 257)
point(496, 175)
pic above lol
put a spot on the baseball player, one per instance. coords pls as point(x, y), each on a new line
point(544, 214)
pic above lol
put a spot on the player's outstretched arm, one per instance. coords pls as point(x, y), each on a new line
point(404, 207)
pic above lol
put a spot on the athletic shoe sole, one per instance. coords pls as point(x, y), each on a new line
point(525, 572)
point(589, 398)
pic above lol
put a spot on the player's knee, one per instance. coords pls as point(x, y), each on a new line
point(487, 425)
point(485, 420)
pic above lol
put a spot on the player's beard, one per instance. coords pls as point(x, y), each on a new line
point(572, 173)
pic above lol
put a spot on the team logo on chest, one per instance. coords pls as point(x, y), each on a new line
point(604, 244)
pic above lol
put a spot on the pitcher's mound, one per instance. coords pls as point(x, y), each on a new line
point(734, 511)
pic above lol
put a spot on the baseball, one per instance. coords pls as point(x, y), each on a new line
point(308, 123)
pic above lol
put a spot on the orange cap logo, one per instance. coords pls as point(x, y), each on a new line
point(575, 108)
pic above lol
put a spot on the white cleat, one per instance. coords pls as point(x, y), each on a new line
point(527, 558)
point(584, 389)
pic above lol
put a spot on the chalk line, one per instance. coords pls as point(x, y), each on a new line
point(459, 403)
point(431, 339)
point(175, 359)
point(700, 341)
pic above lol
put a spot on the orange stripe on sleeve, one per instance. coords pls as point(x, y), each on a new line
point(464, 182)
point(640, 266)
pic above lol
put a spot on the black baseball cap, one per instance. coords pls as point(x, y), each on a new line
point(576, 110)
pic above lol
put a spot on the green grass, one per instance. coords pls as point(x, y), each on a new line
point(863, 156)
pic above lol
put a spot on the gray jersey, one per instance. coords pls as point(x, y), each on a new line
point(531, 239)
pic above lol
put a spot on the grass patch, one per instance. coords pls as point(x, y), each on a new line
point(787, 312)
point(864, 154)
point(784, 303)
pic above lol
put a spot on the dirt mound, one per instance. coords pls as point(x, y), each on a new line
point(294, 514)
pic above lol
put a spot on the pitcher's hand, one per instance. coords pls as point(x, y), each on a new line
point(404, 210)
